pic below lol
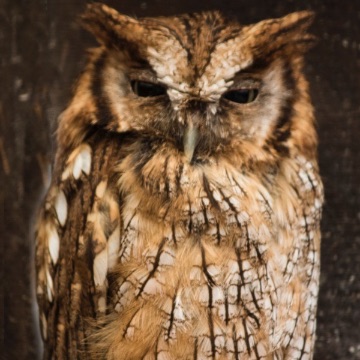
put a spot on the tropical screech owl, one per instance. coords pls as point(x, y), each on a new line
point(182, 221)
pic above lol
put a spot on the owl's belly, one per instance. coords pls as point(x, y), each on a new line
point(215, 292)
point(197, 298)
point(213, 274)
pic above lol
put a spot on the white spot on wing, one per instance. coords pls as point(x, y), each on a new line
point(49, 286)
point(77, 167)
point(53, 242)
point(86, 159)
point(66, 174)
point(100, 267)
point(113, 246)
point(82, 162)
point(100, 189)
point(61, 207)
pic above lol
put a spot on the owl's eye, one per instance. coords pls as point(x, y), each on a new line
point(241, 96)
point(147, 89)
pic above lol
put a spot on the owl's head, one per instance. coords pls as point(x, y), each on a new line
point(204, 86)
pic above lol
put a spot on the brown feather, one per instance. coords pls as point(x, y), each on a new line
point(149, 250)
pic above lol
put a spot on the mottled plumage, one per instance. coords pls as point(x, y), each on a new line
point(182, 221)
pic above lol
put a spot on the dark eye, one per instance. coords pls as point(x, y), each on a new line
point(241, 96)
point(147, 89)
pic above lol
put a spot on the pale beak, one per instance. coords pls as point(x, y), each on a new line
point(191, 137)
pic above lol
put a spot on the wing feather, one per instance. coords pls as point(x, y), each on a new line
point(77, 240)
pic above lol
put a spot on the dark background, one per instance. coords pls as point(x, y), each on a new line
point(41, 53)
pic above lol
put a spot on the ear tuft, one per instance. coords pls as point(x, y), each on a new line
point(298, 21)
point(106, 24)
point(294, 29)
point(286, 35)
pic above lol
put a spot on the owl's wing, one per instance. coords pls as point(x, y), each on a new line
point(78, 237)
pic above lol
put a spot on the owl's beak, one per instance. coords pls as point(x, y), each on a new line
point(191, 137)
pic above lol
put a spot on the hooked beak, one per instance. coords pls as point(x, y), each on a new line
point(191, 137)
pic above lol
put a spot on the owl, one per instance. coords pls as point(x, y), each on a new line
point(182, 220)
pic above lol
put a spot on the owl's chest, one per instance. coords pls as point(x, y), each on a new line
point(195, 266)
point(202, 246)
point(186, 208)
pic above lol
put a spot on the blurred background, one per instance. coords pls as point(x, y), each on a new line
point(42, 51)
